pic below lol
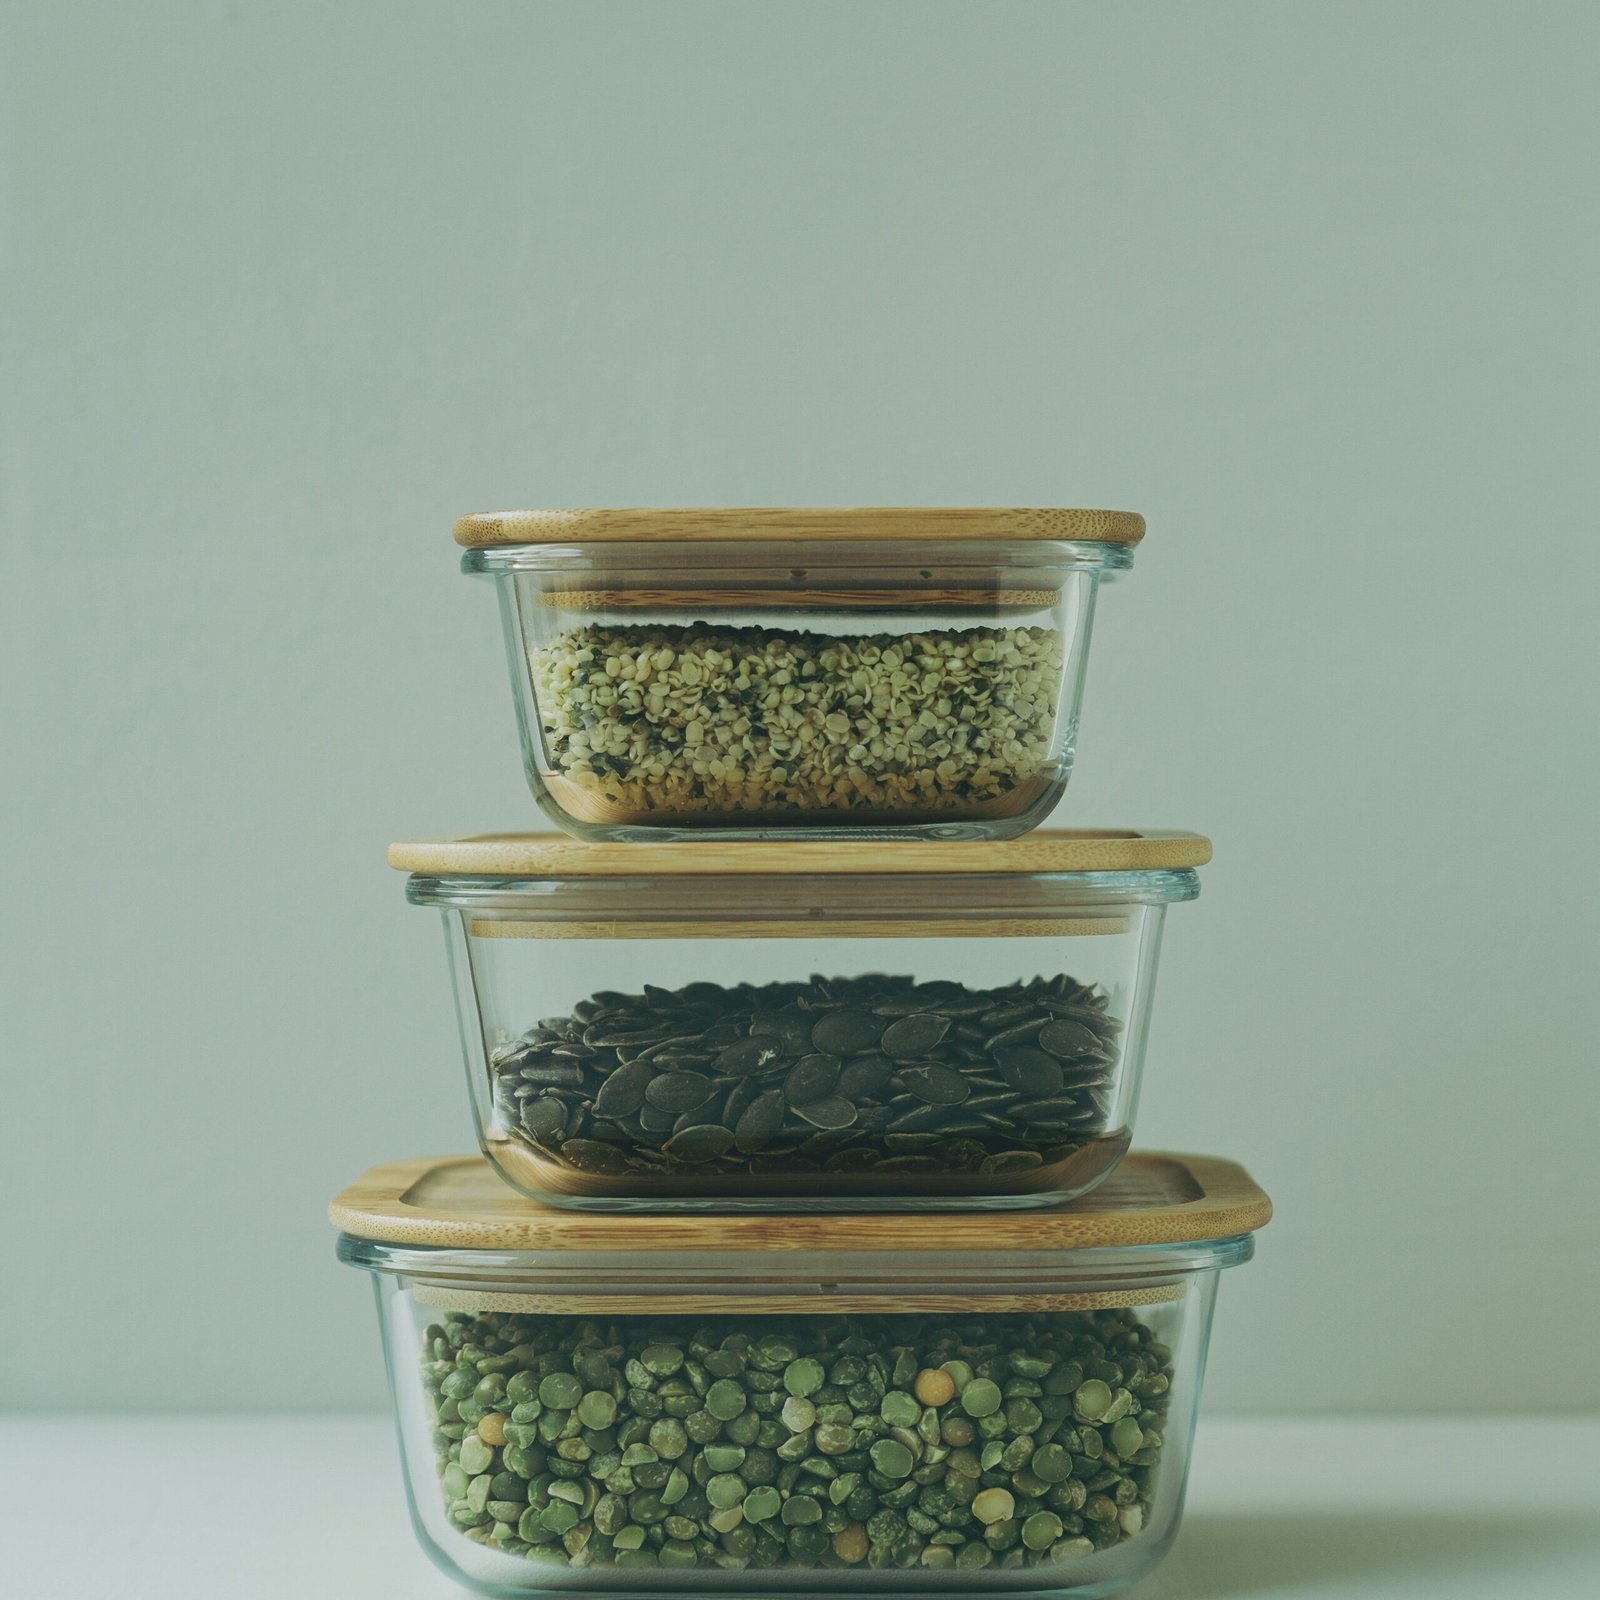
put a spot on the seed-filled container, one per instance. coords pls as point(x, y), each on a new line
point(838, 1025)
point(757, 1406)
point(777, 673)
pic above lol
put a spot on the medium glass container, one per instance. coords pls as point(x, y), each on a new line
point(777, 673)
point(840, 1025)
point(753, 1406)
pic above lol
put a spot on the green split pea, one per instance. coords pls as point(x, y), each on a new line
point(903, 1442)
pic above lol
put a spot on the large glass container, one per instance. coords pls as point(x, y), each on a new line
point(749, 1406)
point(780, 673)
point(840, 1025)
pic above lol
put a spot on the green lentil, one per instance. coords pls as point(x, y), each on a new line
point(559, 1515)
point(1126, 1436)
point(1047, 1450)
point(800, 1509)
point(1041, 1530)
point(726, 1489)
point(980, 1398)
point(798, 1414)
point(993, 1505)
point(900, 1410)
point(669, 1438)
point(725, 1399)
point(1092, 1400)
point(803, 1377)
point(660, 1360)
point(597, 1409)
point(762, 1503)
point(560, 1391)
point(835, 1438)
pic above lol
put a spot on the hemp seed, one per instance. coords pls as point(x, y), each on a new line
point(705, 717)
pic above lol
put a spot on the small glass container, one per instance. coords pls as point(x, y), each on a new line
point(778, 673)
point(846, 1025)
point(752, 1406)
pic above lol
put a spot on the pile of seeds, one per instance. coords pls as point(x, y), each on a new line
point(1006, 1441)
point(709, 718)
point(871, 1075)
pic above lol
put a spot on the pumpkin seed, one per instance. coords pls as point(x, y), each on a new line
point(832, 1113)
point(846, 1031)
point(1029, 1070)
point(759, 1125)
point(914, 1036)
point(1069, 1040)
point(811, 1078)
point(704, 1142)
point(679, 1091)
point(834, 1077)
point(939, 1086)
point(747, 1055)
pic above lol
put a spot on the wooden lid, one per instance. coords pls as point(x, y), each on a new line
point(677, 525)
point(550, 855)
point(458, 1202)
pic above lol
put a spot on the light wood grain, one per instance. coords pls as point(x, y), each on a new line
point(682, 524)
point(460, 1202)
point(971, 1303)
point(545, 855)
point(768, 599)
point(916, 927)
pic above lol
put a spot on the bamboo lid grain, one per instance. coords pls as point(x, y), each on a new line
point(458, 1202)
point(681, 525)
point(549, 855)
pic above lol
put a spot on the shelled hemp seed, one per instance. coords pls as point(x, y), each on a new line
point(798, 1442)
point(704, 717)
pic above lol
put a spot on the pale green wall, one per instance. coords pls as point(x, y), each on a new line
point(288, 286)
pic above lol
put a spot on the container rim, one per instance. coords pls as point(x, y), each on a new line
point(797, 1275)
point(810, 905)
point(788, 524)
point(781, 565)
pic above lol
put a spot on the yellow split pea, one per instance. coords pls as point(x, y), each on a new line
point(850, 1544)
point(934, 1387)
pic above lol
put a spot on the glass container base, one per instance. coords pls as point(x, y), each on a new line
point(560, 1185)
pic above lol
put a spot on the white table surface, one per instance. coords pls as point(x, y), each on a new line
point(311, 1508)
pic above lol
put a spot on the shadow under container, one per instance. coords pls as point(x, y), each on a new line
point(773, 673)
point(833, 1026)
point(754, 1406)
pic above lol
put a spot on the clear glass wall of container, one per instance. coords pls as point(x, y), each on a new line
point(807, 1039)
point(916, 1421)
point(752, 685)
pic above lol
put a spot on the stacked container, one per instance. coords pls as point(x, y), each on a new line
point(796, 997)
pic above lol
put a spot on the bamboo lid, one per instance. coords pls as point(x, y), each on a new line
point(679, 525)
point(549, 855)
point(458, 1202)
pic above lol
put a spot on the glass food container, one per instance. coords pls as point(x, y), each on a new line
point(825, 1405)
point(780, 673)
point(839, 1025)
